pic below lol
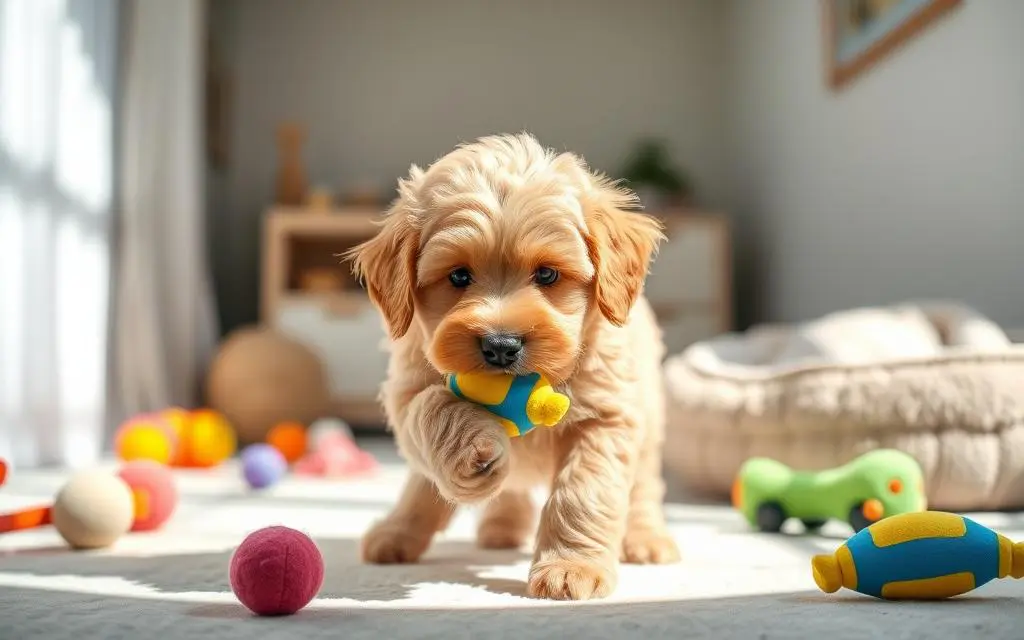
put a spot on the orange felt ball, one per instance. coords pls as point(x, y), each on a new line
point(206, 440)
point(154, 493)
point(145, 437)
point(290, 439)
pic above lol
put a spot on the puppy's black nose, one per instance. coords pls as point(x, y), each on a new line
point(501, 349)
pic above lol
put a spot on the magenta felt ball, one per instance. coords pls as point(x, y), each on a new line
point(276, 571)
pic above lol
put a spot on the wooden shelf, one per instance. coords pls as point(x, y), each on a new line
point(333, 222)
point(297, 241)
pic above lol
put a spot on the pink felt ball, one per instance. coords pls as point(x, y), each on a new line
point(153, 491)
point(276, 571)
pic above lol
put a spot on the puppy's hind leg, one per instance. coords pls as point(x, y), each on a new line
point(647, 539)
point(405, 533)
point(508, 521)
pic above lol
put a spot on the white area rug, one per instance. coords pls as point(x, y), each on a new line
point(173, 584)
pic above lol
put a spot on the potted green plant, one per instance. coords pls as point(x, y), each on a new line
point(650, 173)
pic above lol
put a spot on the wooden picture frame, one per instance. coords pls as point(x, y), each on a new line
point(860, 33)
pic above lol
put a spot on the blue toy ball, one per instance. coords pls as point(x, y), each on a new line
point(262, 465)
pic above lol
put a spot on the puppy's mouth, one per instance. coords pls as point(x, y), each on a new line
point(518, 369)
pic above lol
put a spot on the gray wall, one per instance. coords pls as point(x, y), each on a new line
point(384, 83)
point(910, 183)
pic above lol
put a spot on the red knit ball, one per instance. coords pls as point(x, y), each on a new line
point(276, 571)
point(153, 490)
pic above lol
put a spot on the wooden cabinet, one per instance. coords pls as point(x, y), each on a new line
point(690, 284)
point(310, 295)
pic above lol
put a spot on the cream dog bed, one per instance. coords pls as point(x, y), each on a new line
point(939, 381)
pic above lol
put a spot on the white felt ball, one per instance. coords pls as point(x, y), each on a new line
point(93, 510)
point(324, 429)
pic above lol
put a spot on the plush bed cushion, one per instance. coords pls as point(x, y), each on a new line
point(939, 381)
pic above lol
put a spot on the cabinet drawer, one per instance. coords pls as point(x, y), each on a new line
point(351, 345)
point(689, 267)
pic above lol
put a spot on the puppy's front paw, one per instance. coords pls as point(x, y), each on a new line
point(393, 541)
point(558, 578)
point(649, 546)
point(475, 471)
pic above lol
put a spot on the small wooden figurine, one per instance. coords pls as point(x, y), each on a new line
point(291, 176)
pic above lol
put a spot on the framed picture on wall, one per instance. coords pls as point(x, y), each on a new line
point(859, 33)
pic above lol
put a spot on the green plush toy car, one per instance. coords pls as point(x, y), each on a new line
point(873, 486)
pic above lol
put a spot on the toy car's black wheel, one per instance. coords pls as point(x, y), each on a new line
point(857, 518)
point(813, 525)
point(770, 517)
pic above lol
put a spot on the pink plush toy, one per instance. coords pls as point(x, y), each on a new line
point(334, 452)
point(276, 571)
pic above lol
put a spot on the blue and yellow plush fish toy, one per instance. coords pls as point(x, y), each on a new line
point(927, 555)
point(519, 402)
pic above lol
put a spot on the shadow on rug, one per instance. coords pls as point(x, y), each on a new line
point(345, 576)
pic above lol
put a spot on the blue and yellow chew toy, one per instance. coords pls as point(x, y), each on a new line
point(927, 555)
point(519, 402)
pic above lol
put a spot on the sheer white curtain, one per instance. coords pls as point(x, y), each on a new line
point(57, 95)
point(96, 325)
point(164, 326)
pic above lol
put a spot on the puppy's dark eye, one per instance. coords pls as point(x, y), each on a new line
point(545, 276)
point(460, 278)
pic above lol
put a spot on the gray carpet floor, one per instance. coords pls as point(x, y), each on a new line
point(173, 584)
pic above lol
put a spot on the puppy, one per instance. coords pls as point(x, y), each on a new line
point(504, 256)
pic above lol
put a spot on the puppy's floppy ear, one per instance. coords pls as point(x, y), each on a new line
point(621, 242)
point(386, 263)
